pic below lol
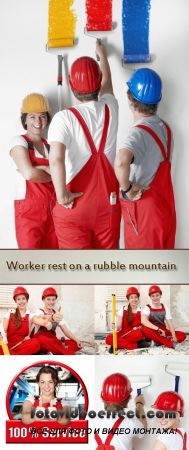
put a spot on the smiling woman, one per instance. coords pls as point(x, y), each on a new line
point(34, 191)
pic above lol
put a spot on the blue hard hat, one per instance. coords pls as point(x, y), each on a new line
point(146, 86)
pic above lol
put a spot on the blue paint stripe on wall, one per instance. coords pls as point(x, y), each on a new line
point(135, 27)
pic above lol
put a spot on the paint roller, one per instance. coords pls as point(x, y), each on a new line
point(61, 32)
point(172, 366)
point(115, 352)
point(144, 380)
point(3, 341)
point(99, 19)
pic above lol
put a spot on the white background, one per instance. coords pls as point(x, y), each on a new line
point(26, 68)
point(161, 381)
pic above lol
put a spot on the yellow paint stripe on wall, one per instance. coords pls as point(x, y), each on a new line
point(62, 23)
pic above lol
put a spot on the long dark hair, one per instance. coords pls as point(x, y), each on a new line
point(17, 316)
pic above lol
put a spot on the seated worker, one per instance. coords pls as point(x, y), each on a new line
point(18, 323)
point(87, 214)
point(170, 401)
point(116, 390)
point(143, 168)
point(154, 319)
point(47, 338)
point(48, 382)
point(130, 335)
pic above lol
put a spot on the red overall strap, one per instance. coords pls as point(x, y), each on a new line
point(158, 141)
point(32, 145)
point(183, 437)
point(110, 436)
point(87, 132)
point(156, 309)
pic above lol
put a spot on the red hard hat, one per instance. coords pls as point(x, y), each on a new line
point(132, 290)
point(169, 401)
point(20, 290)
point(49, 291)
point(85, 75)
point(154, 289)
point(116, 388)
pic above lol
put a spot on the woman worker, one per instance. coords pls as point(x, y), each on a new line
point(34, 191)
point(17, 324)
point(170, 401)
point(48, 381)
point(130, 335)
point(154, 318)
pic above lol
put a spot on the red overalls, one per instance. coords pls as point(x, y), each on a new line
point(183, 437)
point(33, 216)
point(127, 337)
point(28, 347)
point(58, 404)
point(92, 222)
point(157, 317)
point(150, 223)
point(106, 445)
point(50, 343)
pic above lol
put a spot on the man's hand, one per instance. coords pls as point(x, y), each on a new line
point(161, 332)
point(57, 316)
point(137, 191)
point(69, 198)
point(100, 50)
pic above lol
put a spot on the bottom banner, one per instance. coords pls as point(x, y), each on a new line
point(43, 432)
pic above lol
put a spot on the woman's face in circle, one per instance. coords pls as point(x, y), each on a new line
point(46, 384)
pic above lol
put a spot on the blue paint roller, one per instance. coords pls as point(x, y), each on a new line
point(135, 27)
point(179, 366)
point(144, 380)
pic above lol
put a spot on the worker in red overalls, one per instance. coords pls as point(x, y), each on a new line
point(130, 335)
point(154, 318)
point(34, 191)
point(83, 148)
point(47, 337)
point(17, 324)
point(173, 402)
point(143, 169)
point(48, 382)
point(115, 394)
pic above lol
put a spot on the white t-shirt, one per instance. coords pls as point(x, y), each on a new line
point(146, 311)
point(7, 315)
point(66, 129)
point(147, 154)
point(19, 181)
point(120, 313)
point(121, 441)
point(172, 441)
point(39, 312)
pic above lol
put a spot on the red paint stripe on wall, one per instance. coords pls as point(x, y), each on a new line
point(99, 15)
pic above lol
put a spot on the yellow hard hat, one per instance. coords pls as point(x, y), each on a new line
point(35, 103)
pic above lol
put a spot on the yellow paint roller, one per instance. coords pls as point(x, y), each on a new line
point(3, 340)
point(115, 352)
point(62, 24)
point(61, 32)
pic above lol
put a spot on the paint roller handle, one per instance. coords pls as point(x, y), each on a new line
point(59, 79)
point(100, 43)
point(139, 391)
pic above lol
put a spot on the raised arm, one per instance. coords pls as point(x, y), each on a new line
point(106, 86)
point(21, 158)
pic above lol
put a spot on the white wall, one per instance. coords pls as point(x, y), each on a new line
point(161, 381)
point(26, 67)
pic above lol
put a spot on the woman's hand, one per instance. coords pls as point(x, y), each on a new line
point(79, 344)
